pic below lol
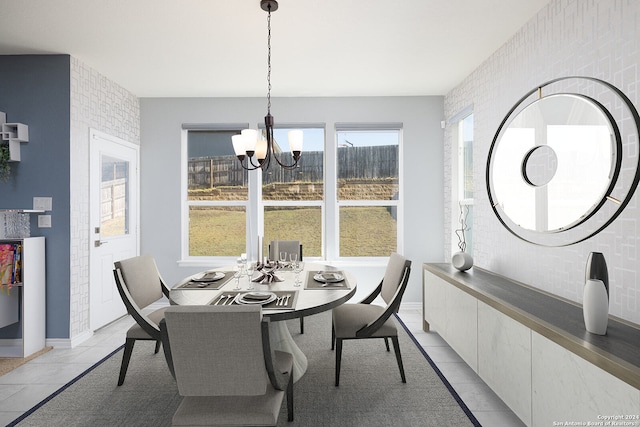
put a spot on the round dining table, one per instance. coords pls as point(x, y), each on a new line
point(309, 297)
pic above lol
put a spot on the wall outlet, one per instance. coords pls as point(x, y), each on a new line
point(44, 221)
point(42, 203)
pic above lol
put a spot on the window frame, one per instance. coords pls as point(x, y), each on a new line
point(186, 258)
point(397, 203)
point(255, 206)
point(458, 197)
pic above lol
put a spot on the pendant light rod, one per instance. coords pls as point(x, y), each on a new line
point(246, 144)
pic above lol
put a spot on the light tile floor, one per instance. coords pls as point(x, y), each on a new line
point(29, 384)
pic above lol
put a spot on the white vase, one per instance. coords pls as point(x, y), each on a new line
point(595, 307)
point(462, 261)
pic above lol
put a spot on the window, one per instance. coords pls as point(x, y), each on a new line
point(226, 207)
point(293, 200)
point(462, 217)
point(368, 188)
point(217, 195)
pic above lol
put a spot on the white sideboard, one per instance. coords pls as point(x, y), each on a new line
point(32, 299)
point(532, 350)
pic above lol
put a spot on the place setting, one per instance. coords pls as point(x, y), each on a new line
point(269, 300)
point(326, 280)
point(208, 280)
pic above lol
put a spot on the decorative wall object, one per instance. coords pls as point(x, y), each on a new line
point(556, 138)
point(13, 134)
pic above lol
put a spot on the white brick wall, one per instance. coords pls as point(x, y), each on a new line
point(597, 38)
point(96, 102)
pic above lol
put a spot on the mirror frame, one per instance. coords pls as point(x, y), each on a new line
point(618, 194)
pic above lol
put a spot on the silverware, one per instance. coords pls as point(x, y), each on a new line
point(287, 299)
point(220, 299)
point(230, 300)
point(279, 301)
point(332, 284)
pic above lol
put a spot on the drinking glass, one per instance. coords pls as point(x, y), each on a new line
point(293, 258)
point(297, 268)
point(283, 257)
point(236, 275)
point(250, 267)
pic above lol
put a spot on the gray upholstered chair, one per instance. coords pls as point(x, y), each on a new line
point(139, 284)
point(366, 320)
point(288, 246)
point(223, 364)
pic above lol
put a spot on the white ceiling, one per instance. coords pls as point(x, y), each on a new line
point(171, 48)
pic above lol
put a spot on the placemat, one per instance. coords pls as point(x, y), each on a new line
point(312, 283)
point(228, 298)
point(228, 275)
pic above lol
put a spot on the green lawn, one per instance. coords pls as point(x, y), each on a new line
point(365, 231)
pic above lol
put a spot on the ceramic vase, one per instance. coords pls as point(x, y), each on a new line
point(462, 261)
point(597, 269)
point(595, 307)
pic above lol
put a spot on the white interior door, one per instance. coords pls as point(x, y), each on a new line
point(114, 234)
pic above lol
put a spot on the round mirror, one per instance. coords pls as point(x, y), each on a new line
point(554, 164)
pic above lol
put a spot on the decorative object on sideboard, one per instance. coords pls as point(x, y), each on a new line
point(595, 307)
point(595, 304)
point(11, 135)
point(558, 137)
point(461, 260)
point(597, 269)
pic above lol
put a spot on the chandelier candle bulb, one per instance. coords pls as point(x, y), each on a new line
point(250, 137)
point(295, 142)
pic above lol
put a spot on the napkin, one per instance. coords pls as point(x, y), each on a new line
point(267, 277)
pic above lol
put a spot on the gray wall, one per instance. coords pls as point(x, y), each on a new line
point(595, 38)
point(34, 90)
point(160, 127)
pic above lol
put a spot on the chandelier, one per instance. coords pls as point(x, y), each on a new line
point(247, 145)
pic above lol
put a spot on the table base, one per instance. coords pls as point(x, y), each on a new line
point(282, 340)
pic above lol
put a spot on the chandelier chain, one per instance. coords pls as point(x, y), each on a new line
point(269, 61)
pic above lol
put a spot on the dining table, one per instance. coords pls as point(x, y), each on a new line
point(320, 287)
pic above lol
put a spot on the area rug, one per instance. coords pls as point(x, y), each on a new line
point(370, 393)
point(8, 364)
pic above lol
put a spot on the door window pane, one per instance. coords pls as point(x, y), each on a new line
point(114, 197)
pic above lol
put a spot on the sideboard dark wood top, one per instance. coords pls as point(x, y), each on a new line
point(560, 320)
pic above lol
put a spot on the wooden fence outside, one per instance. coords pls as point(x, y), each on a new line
point(114, 199)
point(361, 163)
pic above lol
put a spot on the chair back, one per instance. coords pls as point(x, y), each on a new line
point(216, 351)
point(141, 278)
point(288, 246)
point(394, 275)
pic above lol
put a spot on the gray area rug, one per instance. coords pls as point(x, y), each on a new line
point(370, 393)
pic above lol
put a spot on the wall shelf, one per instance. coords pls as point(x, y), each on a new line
point(14, 134)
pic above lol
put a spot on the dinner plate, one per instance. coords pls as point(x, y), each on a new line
point(210, 276)
point(260, 298)
point(328, 277)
